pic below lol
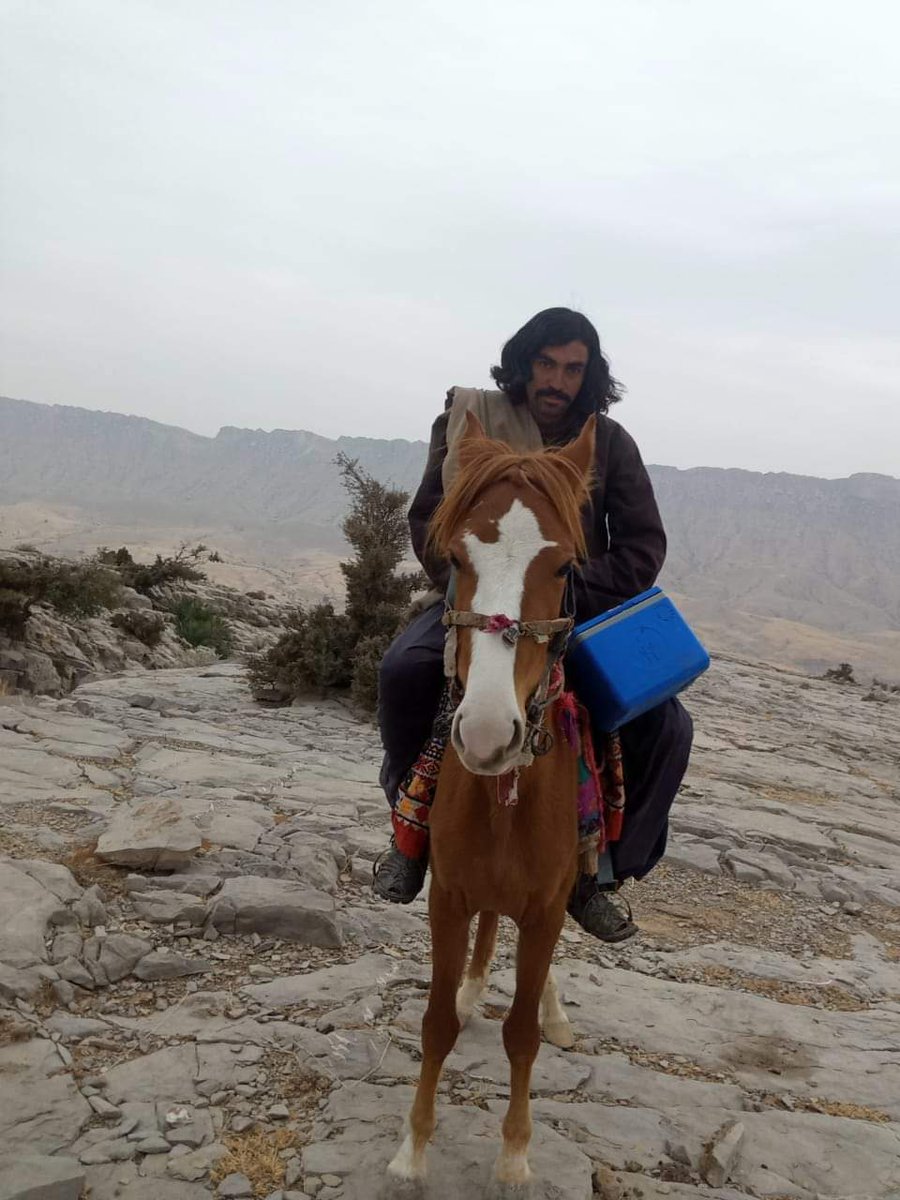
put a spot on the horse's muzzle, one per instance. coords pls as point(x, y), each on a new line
point(487, 745)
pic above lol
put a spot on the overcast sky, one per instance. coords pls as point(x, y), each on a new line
point(320, 214)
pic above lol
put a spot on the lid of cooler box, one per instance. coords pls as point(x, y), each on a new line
point(580, 630)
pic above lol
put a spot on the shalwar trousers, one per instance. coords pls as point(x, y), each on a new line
point(655, 746)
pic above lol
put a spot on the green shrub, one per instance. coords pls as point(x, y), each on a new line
point(80, 589)
point(14, 609)
point(367, 657)
point(73, 589)
point(840, 674)
point(200, 626)
point(180, 567)
point(315, 652)
point(325, 649)
point(147, 627)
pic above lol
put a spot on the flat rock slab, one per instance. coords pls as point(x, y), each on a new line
point(277, 907)
point(48, 1112)
point(40, 1177)
point(367, 975)
point(205, 770)
point(26, 910)
point(843, 1056)
point(167, 1074)
point(460, 1158)
point(154, 834)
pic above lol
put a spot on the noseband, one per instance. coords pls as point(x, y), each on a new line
point(538, 740)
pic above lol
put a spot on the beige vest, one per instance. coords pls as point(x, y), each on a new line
point(500, 418)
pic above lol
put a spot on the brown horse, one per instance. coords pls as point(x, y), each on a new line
point(511, 527)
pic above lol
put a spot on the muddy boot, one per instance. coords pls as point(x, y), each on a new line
point(397, 878)
point(599, 913)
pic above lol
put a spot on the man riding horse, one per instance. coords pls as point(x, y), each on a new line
point(552, 376)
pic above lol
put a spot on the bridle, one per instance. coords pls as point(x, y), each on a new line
point(538, 739)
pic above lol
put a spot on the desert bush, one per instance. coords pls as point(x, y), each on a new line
point(315, 652)
point(14, 609)
point(26, 547)
point(325, 649)
point(73, 589)
point(843, 673)
point(79, 589)
point(180, 567)
point(200, 626)
point(147, 627)
point(367, 657)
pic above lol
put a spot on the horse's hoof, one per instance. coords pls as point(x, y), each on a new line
point(394, 1188)
point(407, 1169)
point(559, 1033)
point(498, 1190)
point(511, 1171)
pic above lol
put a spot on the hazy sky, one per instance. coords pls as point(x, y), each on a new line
point(320, 214)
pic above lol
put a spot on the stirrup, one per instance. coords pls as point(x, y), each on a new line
point(601, 918)
point(396, 878)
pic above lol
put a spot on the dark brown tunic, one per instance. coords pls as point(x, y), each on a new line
point(625, 536)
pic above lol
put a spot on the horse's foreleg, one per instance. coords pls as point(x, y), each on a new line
point(522, 1037)
point(479, 966)
point(440, 1028)
point(554, 1022)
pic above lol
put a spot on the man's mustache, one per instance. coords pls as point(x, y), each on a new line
point(552, 394)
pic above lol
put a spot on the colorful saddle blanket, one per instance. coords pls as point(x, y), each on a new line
point(601, 788)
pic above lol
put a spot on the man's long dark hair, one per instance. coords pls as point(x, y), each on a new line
point(557, 327)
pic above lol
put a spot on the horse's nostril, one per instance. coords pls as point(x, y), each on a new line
point(518, 731)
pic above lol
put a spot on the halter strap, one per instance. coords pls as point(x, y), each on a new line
point(511, 630)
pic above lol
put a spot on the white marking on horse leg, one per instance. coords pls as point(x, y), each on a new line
point(408, 1162)
point(485, 720)
point(554, 1021)
point(468, 996)
point(512, 1166)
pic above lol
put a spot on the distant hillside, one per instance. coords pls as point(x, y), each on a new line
point(129, 467)
point(743, 545)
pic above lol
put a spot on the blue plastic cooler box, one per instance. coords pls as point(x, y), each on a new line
point(632, 658)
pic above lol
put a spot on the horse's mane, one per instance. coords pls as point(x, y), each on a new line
point(486, 462)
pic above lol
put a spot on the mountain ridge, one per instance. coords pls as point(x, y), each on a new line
point(782, 546)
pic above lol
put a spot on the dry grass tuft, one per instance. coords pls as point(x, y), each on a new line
point(829, 996)
point(6, 688)
point(13, 1029)
point(256, 1154)
point(831, 1108)
point(789, 795)
point(88, 869)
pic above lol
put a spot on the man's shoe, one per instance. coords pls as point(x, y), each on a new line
point(599, 914)
point(397, 878)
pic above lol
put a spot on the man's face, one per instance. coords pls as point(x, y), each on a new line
point(556, 377)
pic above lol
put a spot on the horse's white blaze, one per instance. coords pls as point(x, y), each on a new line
point(486, 719)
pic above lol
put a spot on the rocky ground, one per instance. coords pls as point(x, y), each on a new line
point(59, 652)
point(200, 995)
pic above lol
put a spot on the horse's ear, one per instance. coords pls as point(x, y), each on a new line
point(472, 435)
point(581, 451)
point(474, 429)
